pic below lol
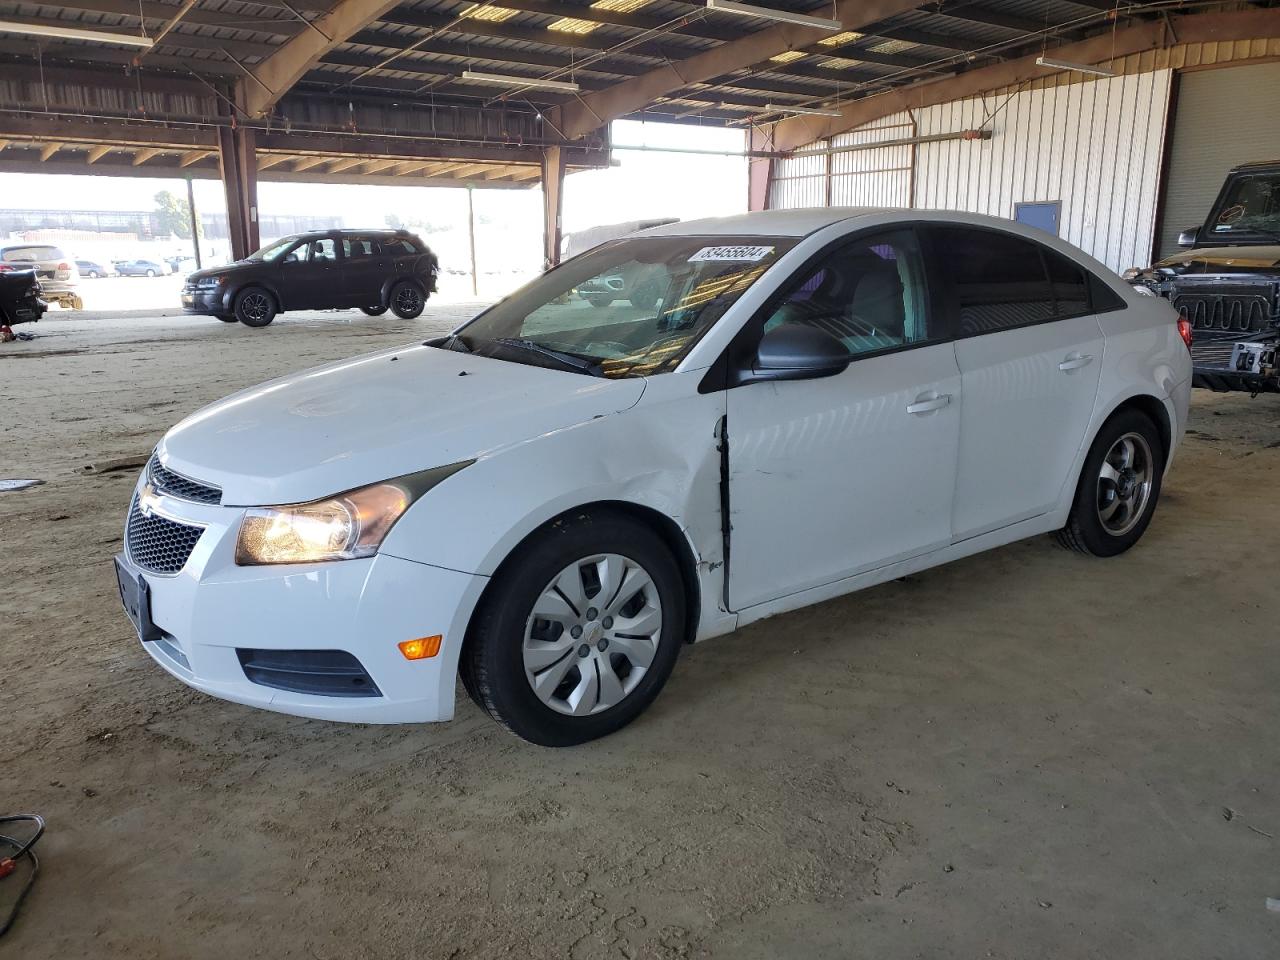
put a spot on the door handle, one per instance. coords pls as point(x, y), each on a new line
point(927, 404)
point(1074, 362)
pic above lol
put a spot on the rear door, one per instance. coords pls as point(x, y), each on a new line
point(365, 266)
point(1029, 349)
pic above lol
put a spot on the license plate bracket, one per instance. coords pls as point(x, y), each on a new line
point(135, 597)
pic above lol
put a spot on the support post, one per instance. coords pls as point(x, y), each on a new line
point(238, 163)
point(471, 239)
point(195, 221)
point(552, 204)
point(759, 170)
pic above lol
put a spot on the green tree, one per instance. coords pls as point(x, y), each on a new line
point(172, 213)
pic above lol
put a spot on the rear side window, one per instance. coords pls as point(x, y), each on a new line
point(997, 281)
point(399, 246)
point(356, 247)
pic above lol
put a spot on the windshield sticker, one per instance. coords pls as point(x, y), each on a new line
point(733, 254)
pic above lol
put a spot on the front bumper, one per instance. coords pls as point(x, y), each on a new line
point(212, 611)
point(203, 302)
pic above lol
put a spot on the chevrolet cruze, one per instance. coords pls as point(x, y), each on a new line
point(553, 499)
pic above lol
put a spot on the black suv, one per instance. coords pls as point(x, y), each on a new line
point(370, 269)
point(1226, 285)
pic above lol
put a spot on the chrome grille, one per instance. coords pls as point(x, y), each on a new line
point(176, 485)
point(157, 543)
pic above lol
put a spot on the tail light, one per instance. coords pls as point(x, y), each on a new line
point(5, 268)
point(64, 266)
point(1185, 332)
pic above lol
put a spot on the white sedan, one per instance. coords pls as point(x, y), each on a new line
point(554, 498)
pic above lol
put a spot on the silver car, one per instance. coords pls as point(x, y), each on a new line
point(59, 278)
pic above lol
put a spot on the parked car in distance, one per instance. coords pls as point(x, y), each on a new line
point(20, 301)
point(541, 500)
point(59, 279)
point(332, 269)
point(141, 268)
point(92, 269)
point(1226, 283)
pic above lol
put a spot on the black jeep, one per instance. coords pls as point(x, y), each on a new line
point(1227, 283)
point(370, 269)
point(20, 301)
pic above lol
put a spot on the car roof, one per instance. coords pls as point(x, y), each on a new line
point(803, 221)
point(1255, 165)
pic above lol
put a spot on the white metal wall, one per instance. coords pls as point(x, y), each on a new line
point(1092, 146)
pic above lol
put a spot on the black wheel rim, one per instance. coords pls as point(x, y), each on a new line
point(254, 307)
point(408, 300)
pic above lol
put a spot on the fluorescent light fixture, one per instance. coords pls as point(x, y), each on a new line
point(502, 80)
point(768, 13)
point(806, 111)
point(74, 33)
point(1077, 67)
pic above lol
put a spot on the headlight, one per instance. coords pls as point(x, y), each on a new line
point(345, 527)
point(1133, 273)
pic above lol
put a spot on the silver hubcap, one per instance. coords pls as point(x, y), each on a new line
point(592, 634)
point(255, 306)
point(1124, 484)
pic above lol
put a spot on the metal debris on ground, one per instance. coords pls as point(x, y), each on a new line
point(18, 484)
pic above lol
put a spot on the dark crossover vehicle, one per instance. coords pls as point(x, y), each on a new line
point(20, 300)
point(374, 270)
point(1226, 284)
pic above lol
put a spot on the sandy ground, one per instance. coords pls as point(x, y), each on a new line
point(1025, 754)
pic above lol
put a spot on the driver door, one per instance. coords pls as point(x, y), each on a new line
point(836, 476)
point(309, 276)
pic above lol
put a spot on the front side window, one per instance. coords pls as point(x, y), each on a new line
point(869, 294)
point(273, 251)
point(996, 280)
point(631, 308)
point(322, 251)
point(1251, 207)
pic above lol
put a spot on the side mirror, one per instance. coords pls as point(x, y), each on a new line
point(793, 351)
point(1189, 238)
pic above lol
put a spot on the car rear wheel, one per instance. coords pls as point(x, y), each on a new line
point(93, 274)
point(579, 631)
point(228, 319)
point(599, 302)
point(255, 307)
point(374, 311)
point(1119, 487)
point(407, 300)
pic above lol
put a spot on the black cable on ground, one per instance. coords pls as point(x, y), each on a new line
point(10, 863)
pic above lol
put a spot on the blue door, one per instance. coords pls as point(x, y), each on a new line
point(1042, 215)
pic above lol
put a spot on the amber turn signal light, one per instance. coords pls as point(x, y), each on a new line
point(420, 649)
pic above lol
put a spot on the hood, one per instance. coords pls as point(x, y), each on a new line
point(1254, 259)
point(320, 432)
point(214, 271)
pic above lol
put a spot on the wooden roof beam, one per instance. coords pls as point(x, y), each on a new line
point(587, 113)
point(277, 74)
point(1151, 35)
point(98, 152)
point(192, 156)
point(48, 150)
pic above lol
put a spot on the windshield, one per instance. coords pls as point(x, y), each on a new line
point(272, 251)
point(626, 309)
point(31, 254)
point(1251, 206)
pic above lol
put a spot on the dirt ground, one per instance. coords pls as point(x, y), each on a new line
point(1025, 754)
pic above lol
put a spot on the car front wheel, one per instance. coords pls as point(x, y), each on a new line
point(151, 273)
point(407, 301)
point(579, 631)
point(254, 307)
point(374, 311)
point(1119, 487)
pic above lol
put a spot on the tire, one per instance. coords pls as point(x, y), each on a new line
point(645, 296)
point(1119, 487)
point(374, 311)
point(151, 273)
point(508, 645)
point(228, 319)
point(599, 302)
point(255, 307)
point(93, 274)
point(407, 300)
